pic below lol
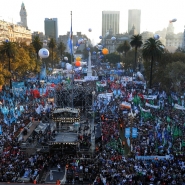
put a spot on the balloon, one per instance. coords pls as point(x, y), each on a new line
point(89, 29)
point(43, 53)
point(100, 47)
point(156, 36)
point(105, 51)
point(78, 58)
point(68, 66)
point(65, 58)
point(101, 57)
point(173, 20)
point(80, 41)
point(77, 63)
point(113, 38)
point(100, 37)
point(140, 76)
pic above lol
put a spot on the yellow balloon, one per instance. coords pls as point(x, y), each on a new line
point(105, 51)
point(78, 58)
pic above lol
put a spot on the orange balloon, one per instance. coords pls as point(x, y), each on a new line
point(105, 51)
point(77, 63)
point(78, 58)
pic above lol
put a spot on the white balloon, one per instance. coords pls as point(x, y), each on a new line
point(173, 20)
point(68, 66)
point(156, 36)
point(80, 41)
point(89, 29)
point(140, 76)
point(43, 53)
point(113, 38)
point(65, 58)
point(100, 47)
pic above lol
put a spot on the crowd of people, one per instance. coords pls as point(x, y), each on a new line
point(154, 156)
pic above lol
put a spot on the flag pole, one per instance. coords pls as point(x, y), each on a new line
point(72, 81)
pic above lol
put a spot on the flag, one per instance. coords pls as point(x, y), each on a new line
point(70, 40)
point(183, 143)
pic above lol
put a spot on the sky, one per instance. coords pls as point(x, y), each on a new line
point(155, 14)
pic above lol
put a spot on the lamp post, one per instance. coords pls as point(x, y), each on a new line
point(92, 125)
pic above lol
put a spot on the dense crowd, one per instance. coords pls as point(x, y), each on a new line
point(156, 155)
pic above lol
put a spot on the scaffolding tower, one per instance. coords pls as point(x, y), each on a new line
point(78, 95)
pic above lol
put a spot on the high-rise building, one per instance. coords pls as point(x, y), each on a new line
point(134, 19)
point(110, 20)
point(23, 15)
point(51, 28)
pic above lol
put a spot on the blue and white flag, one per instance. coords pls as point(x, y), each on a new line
point(70, 40)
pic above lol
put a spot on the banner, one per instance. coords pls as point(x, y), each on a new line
point(134, 133)
point(176, 106)
point(144, 110)
point(17, 84)
point(152, 157)
point(152, 106)
point(125, 105)
point(127, 132)
point(90, 78)
point(150, 97)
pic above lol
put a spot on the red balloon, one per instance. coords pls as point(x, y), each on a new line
point(77, 63)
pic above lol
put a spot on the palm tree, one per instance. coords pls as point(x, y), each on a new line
point(152, 50)
point(61, 48)
point(37, 44)
point(52, 45)
point(8, 49)
point(124, 47)
point(136, 42)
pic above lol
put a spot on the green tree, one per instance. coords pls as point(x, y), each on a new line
point(8, 49)
point(124, 47)
point(52, 45)
point(175, 72)
point(113, 58)
point(37, 44)
point(152, 50)
point(136, 42)
point(61, 48)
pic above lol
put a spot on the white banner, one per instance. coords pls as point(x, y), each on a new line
point(90, 78)
point(152, 106)
point(150, 97)
point(144, 110)
point(176, 106)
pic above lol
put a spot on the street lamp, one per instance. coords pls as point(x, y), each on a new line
point(92, 126)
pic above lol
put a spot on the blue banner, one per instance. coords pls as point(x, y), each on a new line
point(18, 84)
point(1, 132)
point(127, 132)
point(134, 132)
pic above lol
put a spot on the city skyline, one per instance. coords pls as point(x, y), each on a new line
point(155, 15)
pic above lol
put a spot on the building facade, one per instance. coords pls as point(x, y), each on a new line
point(146, 35)
point(173, 41)
point(110, 20)
point(51, 28)
point(112, 45)
point(14, 33)
point(23, 15)
point(134, 19)
point(183, 47)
